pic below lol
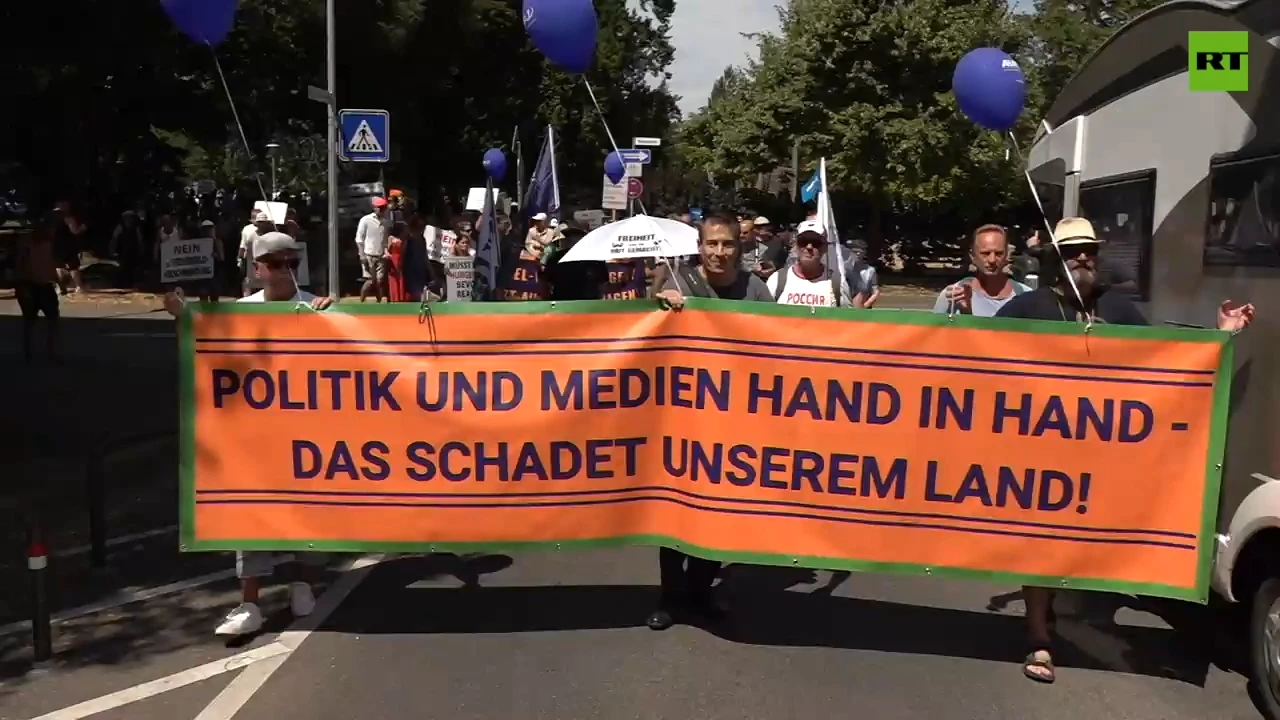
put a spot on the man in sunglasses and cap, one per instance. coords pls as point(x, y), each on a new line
point(1079, 295)
point(275, 264)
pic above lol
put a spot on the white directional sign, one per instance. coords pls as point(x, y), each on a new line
point(366, 136)
point(647, 142)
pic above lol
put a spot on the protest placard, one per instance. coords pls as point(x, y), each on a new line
point(459, 274)
point(1026, 451)
point(186, 260)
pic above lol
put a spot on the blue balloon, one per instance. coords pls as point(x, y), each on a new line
point(564, 30)
point(614, 168)
point(205, 21)
point(989, 88)
point(495, 164)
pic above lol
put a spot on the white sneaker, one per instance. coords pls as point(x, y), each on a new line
point(245, 619)
point(302, 602)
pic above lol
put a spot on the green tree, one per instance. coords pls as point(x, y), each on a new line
point(1068, 31)
point(867, 85)
point(117, 104)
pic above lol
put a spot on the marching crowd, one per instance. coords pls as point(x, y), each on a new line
point(739, 259)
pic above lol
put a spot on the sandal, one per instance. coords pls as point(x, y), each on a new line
point(1039, 666)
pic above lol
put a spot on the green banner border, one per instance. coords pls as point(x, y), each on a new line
point(1213, 468)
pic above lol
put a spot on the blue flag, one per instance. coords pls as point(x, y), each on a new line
point(544, 188)
point(810, 189)
point(488, 252)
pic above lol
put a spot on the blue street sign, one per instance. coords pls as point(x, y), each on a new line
point(636, 155)
point(366, 136)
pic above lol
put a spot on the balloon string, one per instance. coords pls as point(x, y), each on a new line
point(235, 114)
point(613, 143)
point(1035, 194)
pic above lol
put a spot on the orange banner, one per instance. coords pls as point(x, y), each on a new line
point(879, 440)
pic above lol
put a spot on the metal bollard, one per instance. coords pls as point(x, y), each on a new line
point(95, 490)
point(41, 624)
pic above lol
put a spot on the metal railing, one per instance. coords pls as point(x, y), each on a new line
point(37, 550)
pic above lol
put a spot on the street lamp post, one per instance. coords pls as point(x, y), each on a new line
point(272, 147)
point(329, 98)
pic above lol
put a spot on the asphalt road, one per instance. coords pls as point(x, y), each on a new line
point(552, 636)
point(559, 636)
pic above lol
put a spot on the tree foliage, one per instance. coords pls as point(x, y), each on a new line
point(116, 104)
point(867, 85)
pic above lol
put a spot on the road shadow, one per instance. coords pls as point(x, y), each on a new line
point(120, 647)
point(765, 612)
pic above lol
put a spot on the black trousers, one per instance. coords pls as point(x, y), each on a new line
point(685, 578)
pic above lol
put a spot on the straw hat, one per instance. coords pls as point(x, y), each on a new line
point(1074, 231)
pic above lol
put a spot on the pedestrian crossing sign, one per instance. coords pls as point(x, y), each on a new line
point(366, 136)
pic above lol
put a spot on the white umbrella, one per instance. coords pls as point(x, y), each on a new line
point(639, 236)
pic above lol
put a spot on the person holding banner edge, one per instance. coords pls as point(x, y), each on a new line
point(1078, 295)
point(275, 262)
point(687, 580)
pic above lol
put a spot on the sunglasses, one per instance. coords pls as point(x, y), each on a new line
point(275, 263)
point(1078, 249)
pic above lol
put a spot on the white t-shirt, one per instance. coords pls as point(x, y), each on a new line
point(371, 235)
point(261, 296)
point(247, 235)
point(799, 291)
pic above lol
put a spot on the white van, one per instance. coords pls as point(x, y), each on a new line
point(1185, 188)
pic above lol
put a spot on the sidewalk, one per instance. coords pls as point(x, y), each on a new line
point(113, 389)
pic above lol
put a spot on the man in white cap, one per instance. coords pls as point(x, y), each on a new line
point(259, 224)
point(762, 253)
point(811, 280)
point(540, 235)
point(1078, 295)
point(275, 261)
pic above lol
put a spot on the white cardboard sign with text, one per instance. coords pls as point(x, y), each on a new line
point(186, 260)
point(459, 273)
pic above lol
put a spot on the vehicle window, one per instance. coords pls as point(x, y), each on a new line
point(1121, 213)
point(1050, 182)
point(1244, 222)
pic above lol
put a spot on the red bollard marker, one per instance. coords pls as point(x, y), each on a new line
point(41, 625)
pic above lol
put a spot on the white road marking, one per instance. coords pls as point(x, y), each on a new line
point(236, 695)
point(165, 684)
point(128, 597)
point(270, 656)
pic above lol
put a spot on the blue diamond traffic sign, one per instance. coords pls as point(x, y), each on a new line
point(366, 136)
point(636, 155)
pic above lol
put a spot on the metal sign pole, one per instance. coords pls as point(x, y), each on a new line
point(331, 54)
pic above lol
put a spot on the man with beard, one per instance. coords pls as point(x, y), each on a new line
point(1075, 249)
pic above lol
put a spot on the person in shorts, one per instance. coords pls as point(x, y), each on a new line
point(68, 241)
point(275, 264)
point(372, 236)
point(37, 288)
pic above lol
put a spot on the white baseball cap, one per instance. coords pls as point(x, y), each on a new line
point(539, 217)
point(811, 226)
point(273, 242)
point(261, 216)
